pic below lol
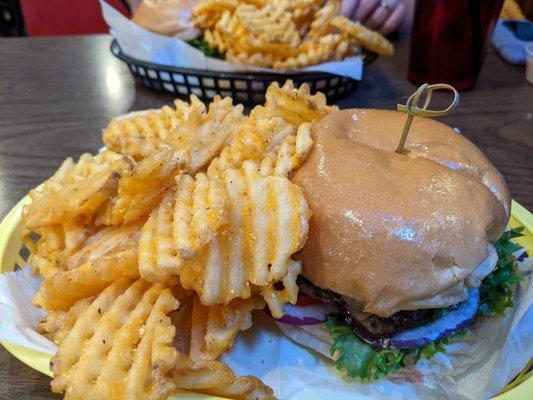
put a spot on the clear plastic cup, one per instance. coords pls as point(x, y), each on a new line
point(529, 62)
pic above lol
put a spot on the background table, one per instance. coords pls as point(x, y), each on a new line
point(57, 94)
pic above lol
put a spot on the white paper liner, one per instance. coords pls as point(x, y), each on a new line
point(143, 45)
point(477, 367)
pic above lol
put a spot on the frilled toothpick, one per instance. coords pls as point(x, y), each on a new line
point(412, 109)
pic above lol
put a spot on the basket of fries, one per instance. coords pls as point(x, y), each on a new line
point(247, 88)
point(239, 48)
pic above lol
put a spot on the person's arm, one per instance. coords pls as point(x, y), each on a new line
point(386, 16)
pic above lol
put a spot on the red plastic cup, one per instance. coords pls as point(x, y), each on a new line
point(449, 39)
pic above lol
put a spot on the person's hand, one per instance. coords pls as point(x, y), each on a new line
point(385, 16)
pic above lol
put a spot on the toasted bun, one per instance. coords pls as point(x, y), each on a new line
point(398, 232)
point(167, 17)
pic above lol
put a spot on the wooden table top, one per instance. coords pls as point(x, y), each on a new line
point(56, 94)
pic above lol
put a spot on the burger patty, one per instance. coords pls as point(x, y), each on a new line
point(388, 326)
point(370, 327)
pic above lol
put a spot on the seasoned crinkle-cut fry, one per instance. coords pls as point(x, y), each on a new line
point(206, 13)
point(372, 40)
point(286, 108)
point(257, 136)
point(333, 46)
point(289, 155)
point(57, 324)
point(140, 133)
point(296, 105)
point(140, 191)
point(214, 328)
point(77, 194)
point(321, 24)
point(191, 128)
point(120, 346)
point(117, 321)
point(184, 222)
point(46, 254)
point(105, 241)
point(202, 206)
point(106, 256)
point(203, 133)
point(62, 289)
point(268, 222)
point(275, 297)
point(302, 11)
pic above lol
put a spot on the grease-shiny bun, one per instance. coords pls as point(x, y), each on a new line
point(399, 231)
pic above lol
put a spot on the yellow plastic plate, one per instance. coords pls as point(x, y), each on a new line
point(10, 245)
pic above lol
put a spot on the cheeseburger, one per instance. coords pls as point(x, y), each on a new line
point(401, 247)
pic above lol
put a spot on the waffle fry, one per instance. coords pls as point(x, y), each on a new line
point(58, 323)
point(103, 242)
point(243, 388)
point(276, 297)
point(109, 255)
point(47, 252)
point(302, 10)
point(289, 155)
point(214, 328)
point(366, 37)
point(155, 245)
point(286, 108)
point(256, 32)
point(139, 134)
point(70, 172)
point(120, 346)
point(181, 224)
point(296, 105)
point(268, 221)
point(331, 47)
point(56, 242)
point(76, 192)
point(207, 13)
point(96, 371)
point(269, 24)
point(321, 24)
point(258, 136)
point(203, 134)
point(140, 191)
point(190, 128)
point(62, 289)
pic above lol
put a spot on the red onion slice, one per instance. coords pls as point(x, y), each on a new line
point(306, 314)
point(452, 322)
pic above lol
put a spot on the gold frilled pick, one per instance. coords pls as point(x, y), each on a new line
point(412, 109)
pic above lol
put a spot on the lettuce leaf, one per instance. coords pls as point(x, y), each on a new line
point(205, 48)
point(497, 289)
point(361, 360)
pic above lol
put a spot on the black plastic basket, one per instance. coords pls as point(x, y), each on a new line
point(244, 87)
